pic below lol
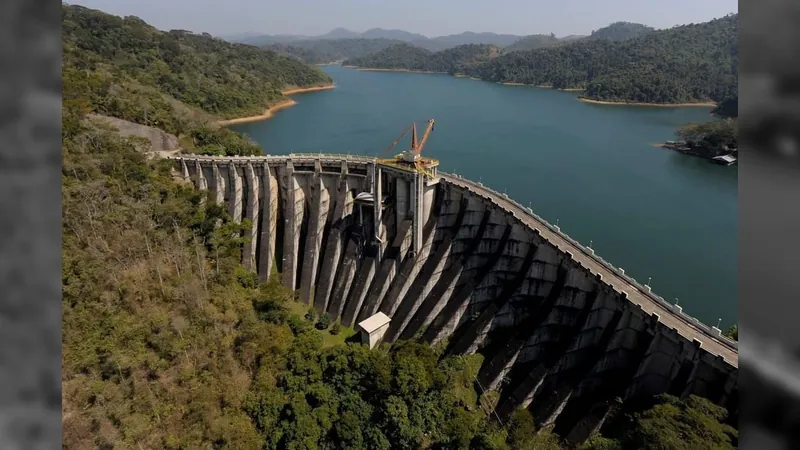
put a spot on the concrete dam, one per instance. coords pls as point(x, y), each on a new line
point(454, 263)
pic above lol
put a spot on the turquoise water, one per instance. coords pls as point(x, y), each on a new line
point(591, 168)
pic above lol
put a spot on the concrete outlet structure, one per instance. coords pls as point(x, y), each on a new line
point(373, 329)
point(454, 263)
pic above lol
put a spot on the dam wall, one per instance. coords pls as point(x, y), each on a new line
point(456, 264)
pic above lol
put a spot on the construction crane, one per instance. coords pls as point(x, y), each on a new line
point(412, 159)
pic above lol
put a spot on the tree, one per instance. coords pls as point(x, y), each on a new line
point(324, 322)
point(716, 137)
point(310, 315)
point(676, 424)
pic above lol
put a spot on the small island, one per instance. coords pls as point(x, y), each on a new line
point(717, 140)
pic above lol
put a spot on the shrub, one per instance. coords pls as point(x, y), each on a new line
point(324, 322)
point(310, 315)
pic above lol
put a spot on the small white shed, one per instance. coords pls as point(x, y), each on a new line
point(373, 328)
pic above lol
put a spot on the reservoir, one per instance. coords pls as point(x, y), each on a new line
point(592, 169)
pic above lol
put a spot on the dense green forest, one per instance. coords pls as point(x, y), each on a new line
point(223, 79)
point(727, 108)
point(617, 31)
point(178, 82)
point(621, 31)
point(433, 44)
point(408, 57)
point(533, 42)
point(711, 138)
point(692, 63)
point(321, 51)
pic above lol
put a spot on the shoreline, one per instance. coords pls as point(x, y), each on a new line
point(294, 91)
point(511, 83)
point(539, 86)
point(371, 69)
point(269, 112)
point(661, 105)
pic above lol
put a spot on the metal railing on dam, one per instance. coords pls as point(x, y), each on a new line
point(671, 315)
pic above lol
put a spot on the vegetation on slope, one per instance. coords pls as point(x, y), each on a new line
point(617, 31)
point(727, 108)
point(440, 43)
point(621, 31)
point(178, 82)
point(533, 42)
point(433, 44)
point(666, 422)
point(686, 64)
point(321, 51)
point(693, 63)
point(408, 57)
point(733, 332)
point(223, 79)
point(711, 139)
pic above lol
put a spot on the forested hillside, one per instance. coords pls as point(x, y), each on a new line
point(440, 43)
point(620, 31)
point(409, 57)
point(433, 44)
point(686, 64)
point(692, 63)
point(321, 51)
point(223, 79)
point(533, 42)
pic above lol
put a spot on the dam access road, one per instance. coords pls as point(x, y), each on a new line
point(454, 263)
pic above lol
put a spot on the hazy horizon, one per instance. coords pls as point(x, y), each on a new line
point(517, 17)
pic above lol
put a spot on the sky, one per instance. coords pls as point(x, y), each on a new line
point(430, 18)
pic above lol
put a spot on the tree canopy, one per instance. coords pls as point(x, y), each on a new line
point(715, 137)
point(681, 424)
point(222, 79)
point(408, 57)
point(691, 63)
point(321, 51)
point(728, 107)
point(533, 42)
point(620, 31)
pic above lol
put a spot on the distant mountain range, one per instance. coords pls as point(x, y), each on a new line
point(335, 44)
point(429, 43)
point(341, 44)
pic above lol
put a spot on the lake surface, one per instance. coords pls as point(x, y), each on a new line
point(591, 168)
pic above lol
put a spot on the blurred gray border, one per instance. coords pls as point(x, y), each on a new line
point(30, 224)
point(769, 224)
